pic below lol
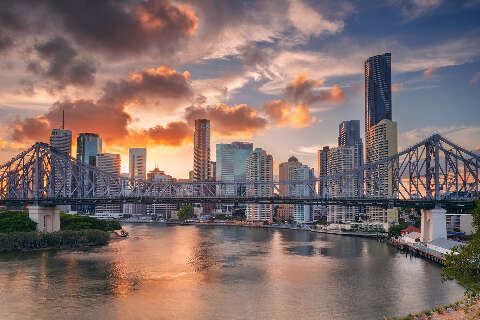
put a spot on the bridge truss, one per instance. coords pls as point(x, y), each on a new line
point(433, 172)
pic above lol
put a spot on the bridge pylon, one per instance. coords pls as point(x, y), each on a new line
point(47, 218)
point(434, 224)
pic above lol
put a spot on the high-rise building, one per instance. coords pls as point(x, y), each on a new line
point(231, 165)
point(88, 146)
point(212, 170)
point(342, 159)
point(61, 141)
point(349, 136)
point(110, 163)
point(160, 209)
point(303, 213)
point(378, 90)
point(259, 169)
point(322, 166)
point(380, 133)
point(287, 173)
point(201, 150)
point(382, 144)
point(137, 163)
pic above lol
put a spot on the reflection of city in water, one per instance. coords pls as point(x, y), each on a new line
point(221, 272)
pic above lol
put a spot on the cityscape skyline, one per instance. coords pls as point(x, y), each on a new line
point(286, 89)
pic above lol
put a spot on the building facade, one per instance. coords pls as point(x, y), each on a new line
point(287, 173)
point(231, 165)
point(137, 163)
point(61, 141)
point(382, 144)
point(322, 166)
point(342, 159)
point(303, 213)
point(88, 146)
point(259, 168)
point(162, 210)
point(201, 150)
point(349, 136)
point(108, 162)
point(378, 89)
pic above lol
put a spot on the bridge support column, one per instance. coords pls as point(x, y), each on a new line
point(434, 224)
point(47, 218)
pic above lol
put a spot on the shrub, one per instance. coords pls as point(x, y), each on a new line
point(16, 221)
point(60, 239)
point(74, 222)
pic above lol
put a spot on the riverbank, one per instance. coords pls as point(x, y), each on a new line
point(34, 241)
point(458, 310)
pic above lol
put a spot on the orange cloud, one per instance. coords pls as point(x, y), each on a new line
point(428, 73)
point(397, 87)
point(294, 109)
point(237, 120)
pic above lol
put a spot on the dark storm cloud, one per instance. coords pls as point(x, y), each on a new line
point(62, 64)
point(120, 27)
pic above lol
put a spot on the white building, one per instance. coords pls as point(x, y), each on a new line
point(303, 213)
point(259, 169)
point(110, 163)
point(137, 163)
point(342, 159)
point(160, 209)
point(381, 144)
point(462, 223)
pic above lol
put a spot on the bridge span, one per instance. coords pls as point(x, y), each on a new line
point(433, 175)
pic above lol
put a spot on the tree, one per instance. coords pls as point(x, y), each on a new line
point(16, 221)
point(185, 213)
point(463, 264)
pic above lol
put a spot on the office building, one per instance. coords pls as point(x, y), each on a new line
point(259, 169)
point(110, 163)
point(137, 163)
point(287, 173)
point(378, 90)
point(231, 165)
point(342, 159)
point(349, 136)
point(162, 210)
point(303, 213)
point(322, 166)
point(382, 144)
point(201, 150)
point(88, 146)
point(212, 170)
point(61, 141)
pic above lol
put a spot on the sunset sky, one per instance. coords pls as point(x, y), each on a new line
point(282, 74)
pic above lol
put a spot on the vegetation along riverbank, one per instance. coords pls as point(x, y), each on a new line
point(18, 232)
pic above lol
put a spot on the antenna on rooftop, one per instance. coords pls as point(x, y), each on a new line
point(63, 119)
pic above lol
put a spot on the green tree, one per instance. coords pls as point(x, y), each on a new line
point(16, 221)
point(463, 264)
point(185, 213)
point(395, 231)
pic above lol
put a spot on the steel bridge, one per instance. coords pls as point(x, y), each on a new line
point(434, 172)
point(434, 175)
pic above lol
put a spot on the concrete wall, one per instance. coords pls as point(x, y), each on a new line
point(434, 224)
point(47, 218)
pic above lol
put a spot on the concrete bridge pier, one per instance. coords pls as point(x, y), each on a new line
point(434, 224)
point(47, 218)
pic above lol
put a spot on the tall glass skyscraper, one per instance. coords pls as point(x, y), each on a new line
point(88, 146)
point(201, 150)
point(349, 136)
point(378, 90)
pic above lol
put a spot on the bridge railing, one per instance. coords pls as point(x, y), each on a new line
point(434, 169)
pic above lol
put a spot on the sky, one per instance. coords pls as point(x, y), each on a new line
point(282, 74)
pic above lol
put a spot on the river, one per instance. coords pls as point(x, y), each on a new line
point(223, 272)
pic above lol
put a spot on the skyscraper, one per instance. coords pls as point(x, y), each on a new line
point(380, 132)
point(110, 163)
point(382, 139)
point(339, 160)
point(378, 89)
point(303, 213)
point(349, 136)
point(259, 169)
point(137, 163)
point(287, 173)
point(61, 140)
point(231, 164)
point(201, 150)
point(322, 166)
point(88, 146)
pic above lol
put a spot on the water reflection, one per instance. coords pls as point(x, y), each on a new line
point(221, 272)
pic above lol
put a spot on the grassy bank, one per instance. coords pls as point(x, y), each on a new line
point(459, 310)
point(14, 241)
point(18, 232)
